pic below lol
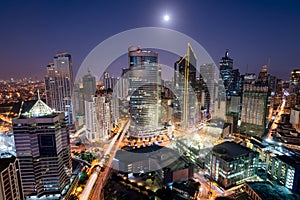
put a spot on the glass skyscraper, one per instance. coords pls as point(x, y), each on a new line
point(59, 84)
point(144, 76)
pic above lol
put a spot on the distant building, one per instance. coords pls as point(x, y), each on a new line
point(109, 81)
point(59, 84)
point(231, 164)
point(210, 76)
point(43, 149)
point(295, 118)
point(294, 87)
point(10, 179)
point(226, 73)
point(89, 86)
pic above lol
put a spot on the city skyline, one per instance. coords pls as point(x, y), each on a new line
point(253, 32)
point(149, 100)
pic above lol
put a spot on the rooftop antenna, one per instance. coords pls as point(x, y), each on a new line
point(269, 62)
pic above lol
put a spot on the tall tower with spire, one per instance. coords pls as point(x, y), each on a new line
point(43, 148)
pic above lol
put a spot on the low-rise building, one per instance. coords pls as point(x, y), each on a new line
point(231, 164)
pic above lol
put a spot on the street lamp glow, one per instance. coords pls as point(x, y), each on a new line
point(166, 18)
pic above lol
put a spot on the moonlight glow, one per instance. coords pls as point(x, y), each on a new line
point(166, 18)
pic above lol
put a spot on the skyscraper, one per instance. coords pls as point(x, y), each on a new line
point(89, 86)
point(185, 85)
point(294, 88)
point(42, 145)
point(144, 91)
point(254, 109)
point(10, 179)
point(59, 84)
point(226, 67)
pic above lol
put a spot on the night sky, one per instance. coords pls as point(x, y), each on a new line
point(33, 31)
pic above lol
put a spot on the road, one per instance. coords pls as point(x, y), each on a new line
point(95, 191)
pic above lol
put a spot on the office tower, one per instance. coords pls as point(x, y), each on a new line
point(210, 76)
point(42, 145)
point(89, 86)
point(263, 76)
point(272, 84)
point(249, 78)
point(144, 90)
point(78, 105)
point(294, 87)
point(185, 85)
point(109, 81)
point(254, 109)
point(59, 84)
point(10, 179)
point(230, 164)
point(226, 67)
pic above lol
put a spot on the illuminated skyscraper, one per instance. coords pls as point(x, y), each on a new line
point(185, 85)
point(59, 84)
point(294, 88)
point(226, 67)
point(43, 149)
point(144, 90)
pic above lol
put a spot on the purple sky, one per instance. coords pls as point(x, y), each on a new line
point(33, 31)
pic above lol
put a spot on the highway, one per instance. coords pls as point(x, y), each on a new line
point(96, 181)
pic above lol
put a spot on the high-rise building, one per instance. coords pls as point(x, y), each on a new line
point(43, 149)
point(185, 85)
point(226, 67)
point(89, 86)
point(109, 81)
point(210, 77)
point(10, 179)
point(294, 87)
point(254, 109)
point(263, 76)
point(59, 84)
point(144, 90)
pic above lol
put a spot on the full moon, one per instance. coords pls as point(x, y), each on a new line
point(166, 18)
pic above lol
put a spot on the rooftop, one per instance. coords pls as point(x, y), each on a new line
point(266, 191)
point(229, 150)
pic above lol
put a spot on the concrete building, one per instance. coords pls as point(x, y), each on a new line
point(231, 164)
point(10, 179)
point(43, 149)
point(295, 118)
point(254, 109)
point(285, 170)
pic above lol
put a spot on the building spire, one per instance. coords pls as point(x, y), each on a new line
point(38, 91)
point(227, 53)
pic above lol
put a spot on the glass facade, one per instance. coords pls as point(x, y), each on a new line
point(144, 77)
